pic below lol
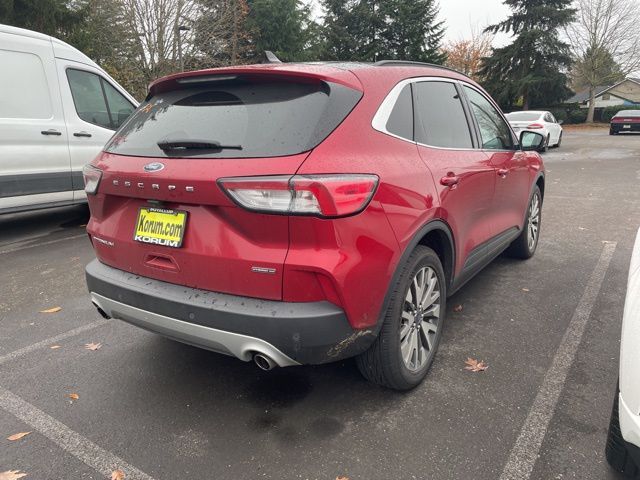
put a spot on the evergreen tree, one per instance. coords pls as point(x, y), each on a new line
point(58, 18)
point(370, 30)
point(284, 27)
point(531, 70)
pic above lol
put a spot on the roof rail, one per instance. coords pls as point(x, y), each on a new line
point(408, 63)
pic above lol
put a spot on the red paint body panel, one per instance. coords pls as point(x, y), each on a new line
point(347, 261)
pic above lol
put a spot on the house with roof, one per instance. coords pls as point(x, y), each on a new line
point(625, 93)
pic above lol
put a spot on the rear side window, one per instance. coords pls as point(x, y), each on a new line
point(440, 118)
point(400, 121)
point(96, 101)
point(495, 132)
point(24, 92)
point(245, 116)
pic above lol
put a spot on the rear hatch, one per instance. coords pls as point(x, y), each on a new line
point(158, 211)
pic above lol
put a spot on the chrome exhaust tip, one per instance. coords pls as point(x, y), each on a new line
point(263, 362)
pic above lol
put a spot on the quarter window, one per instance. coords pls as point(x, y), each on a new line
point(400, 121)
point(494, 131)
point(96, 101)
point(440, 118)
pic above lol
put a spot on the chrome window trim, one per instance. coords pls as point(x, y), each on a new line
point(380, 119)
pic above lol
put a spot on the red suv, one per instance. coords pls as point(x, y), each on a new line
point(305, 213)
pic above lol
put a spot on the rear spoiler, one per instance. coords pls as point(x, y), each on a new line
point(323, 73)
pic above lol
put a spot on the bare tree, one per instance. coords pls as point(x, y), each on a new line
point(466, 55)
point(605, 30)
point(160, 41)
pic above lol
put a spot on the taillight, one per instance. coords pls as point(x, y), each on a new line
point(535, 126)
point(92, 177)
point(328, 196)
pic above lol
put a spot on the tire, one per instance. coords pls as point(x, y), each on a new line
point(559, 141)
point(545, 147)
point(394, 360)
point(615, 450)
point(524, 246)
point(612, 131)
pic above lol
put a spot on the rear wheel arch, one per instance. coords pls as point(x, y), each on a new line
point(436, 235)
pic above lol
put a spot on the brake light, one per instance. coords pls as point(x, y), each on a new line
point(535, 126)
point(328, 196)
point(92, 176)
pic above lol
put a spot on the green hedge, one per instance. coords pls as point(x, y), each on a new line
point(610, 112)
point(569, 114)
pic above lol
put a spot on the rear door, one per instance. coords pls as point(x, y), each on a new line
point(34, 156)
point(513, 178)
point(463, 174)
point(170, 156)
point(94, 109)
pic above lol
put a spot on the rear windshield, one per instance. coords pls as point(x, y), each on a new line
point(628, 113)
point(523, 116)
point(237, 118)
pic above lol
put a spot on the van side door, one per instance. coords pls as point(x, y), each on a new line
point(34, 155)
point(94, 108)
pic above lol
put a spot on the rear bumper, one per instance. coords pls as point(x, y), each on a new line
point(289, 333)
point(619, 127)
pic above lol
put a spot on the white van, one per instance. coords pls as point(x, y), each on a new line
point(57, 110)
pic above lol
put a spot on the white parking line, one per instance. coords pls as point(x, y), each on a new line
point(80, 447)
point(24, 247)
point(525, 452)
point(50, 341)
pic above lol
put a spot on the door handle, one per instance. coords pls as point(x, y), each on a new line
point(82, 134)
point(503, 172)
point(51, 131)
point(450, 180)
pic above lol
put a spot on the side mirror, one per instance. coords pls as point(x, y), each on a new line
point(560, 122)
point(531, 141)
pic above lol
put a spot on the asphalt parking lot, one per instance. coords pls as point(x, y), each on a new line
point(548, 328)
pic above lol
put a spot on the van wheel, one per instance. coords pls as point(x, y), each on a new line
point(525, 245)
point(406, 346)
point(615, 450)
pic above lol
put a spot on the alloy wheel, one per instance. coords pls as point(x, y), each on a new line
point(420, 319)
point(533, 222)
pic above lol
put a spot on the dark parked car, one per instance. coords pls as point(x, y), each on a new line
point(625, 121)
point(305, 213)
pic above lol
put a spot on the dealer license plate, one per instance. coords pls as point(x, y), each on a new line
point(159, 226)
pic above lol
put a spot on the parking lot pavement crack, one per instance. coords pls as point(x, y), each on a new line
point(525, 452)
point(50, 341)
point(99, 459)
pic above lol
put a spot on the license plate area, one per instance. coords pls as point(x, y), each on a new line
point(159, 226)
point(626, 126)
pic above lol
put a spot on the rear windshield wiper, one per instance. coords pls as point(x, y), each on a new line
point(195, 145)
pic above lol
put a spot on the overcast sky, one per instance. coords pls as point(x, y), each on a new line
point(463, 15)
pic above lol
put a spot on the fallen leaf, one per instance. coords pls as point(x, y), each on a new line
point(11, 475)
point(342, 478)
point(73, 396)
point(93, 346)
point(525, 290)
point(54, 347)
point(17, 436)
point(457, 308)
point(51, 310)
point(117, 475)
point(475, 365)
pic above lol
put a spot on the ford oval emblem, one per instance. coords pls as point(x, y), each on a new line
point(153, 167)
